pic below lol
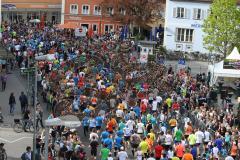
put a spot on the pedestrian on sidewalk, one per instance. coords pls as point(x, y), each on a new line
point(4, 81)
point(23, 101)
point(39, 116)
point(12, 103)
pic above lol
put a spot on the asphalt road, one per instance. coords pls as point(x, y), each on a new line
point(15, 143)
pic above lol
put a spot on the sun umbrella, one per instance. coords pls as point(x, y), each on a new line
point(34, 21)
point(67, 121)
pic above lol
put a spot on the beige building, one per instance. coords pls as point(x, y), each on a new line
point(32, 9)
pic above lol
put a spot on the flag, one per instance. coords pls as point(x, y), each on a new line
point(42, 22)
point(90, 32)
point(125, 32)
point(122, 33)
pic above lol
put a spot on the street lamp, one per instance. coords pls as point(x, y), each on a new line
point(238, 102)
point(37, 58)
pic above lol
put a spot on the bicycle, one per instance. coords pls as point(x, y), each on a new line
point(18, 125)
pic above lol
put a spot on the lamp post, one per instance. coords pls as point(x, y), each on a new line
point(238, 103)
point(37, 58)
point(34, 113)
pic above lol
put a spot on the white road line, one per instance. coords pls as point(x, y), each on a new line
point(5, 140)
point(16, 140)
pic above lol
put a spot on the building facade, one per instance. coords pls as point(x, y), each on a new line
point(32, 9)
point(183, 25)
point(88, 14)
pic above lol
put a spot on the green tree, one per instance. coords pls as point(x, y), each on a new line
point(222, 27)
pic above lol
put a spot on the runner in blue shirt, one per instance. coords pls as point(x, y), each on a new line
point(99, 121)
point(85, 123)
point(117, 145)
point(104, 135)
point(120, 133)
point(137, 110)
point(87, 111)
point(109, 142)
point(92, 123)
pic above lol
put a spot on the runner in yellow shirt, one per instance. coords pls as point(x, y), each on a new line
point(144, 147)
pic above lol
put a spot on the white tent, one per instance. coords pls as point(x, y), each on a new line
point(234, 54)
point(67, 121)
point(217, 69)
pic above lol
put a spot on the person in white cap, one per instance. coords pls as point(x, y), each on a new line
point(122, 155)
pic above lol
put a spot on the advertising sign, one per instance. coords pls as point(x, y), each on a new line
point(231, 64)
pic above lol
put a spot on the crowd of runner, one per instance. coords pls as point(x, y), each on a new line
point(128, 110)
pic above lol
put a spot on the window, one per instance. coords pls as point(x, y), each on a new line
point(85, 9)
point(110, 10)
point(180, 12)
point(94, 28)
point(108, 28)
point(97, 10)
point(198, 14)
point(184, 35)
point(122, 11)
point(73, 9)
point(179, 47)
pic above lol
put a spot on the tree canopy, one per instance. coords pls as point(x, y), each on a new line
point(222, 27)
point(137, 12)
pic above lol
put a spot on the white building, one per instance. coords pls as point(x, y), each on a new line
point(183, 25)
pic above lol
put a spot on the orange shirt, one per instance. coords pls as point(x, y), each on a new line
point(94, 100)
point(188, 130)
point(187, 156)
point(149, 142)
point(179, 150)
point(111, 124)
point(234, 150)
point(173, 122)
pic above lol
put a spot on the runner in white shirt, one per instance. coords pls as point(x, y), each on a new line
point(119, 113)
point(215, 152)
point(199, 135)
point(207, 137)
point(229, 158)
point(154, 105)
point(139, 155)
point(159, 99)
point(122, 155)
point(168, 139)
point(130, 123)
point(93, 134)
point(140, 127)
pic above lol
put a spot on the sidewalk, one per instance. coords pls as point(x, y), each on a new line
point(15, 143)
point(14, 85)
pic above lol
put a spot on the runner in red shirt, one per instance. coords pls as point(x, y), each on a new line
point(143, 107)
point(158, 151)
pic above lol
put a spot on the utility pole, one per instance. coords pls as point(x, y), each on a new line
point(28, 78)
point(1, 19)
point(34, 112)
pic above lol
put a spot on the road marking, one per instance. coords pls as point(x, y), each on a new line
point(16, 140)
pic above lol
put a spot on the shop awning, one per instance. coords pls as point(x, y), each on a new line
point(68, 25)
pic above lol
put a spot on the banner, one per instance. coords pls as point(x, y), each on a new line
point(143, 57)
point(231, 64)
point(181, 61)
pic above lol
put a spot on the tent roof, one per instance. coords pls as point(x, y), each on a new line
point(234, 54)
point(218, 70)
point(70, 121)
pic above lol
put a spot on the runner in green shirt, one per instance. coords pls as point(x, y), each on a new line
point(178, 135)
point(104, 153)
